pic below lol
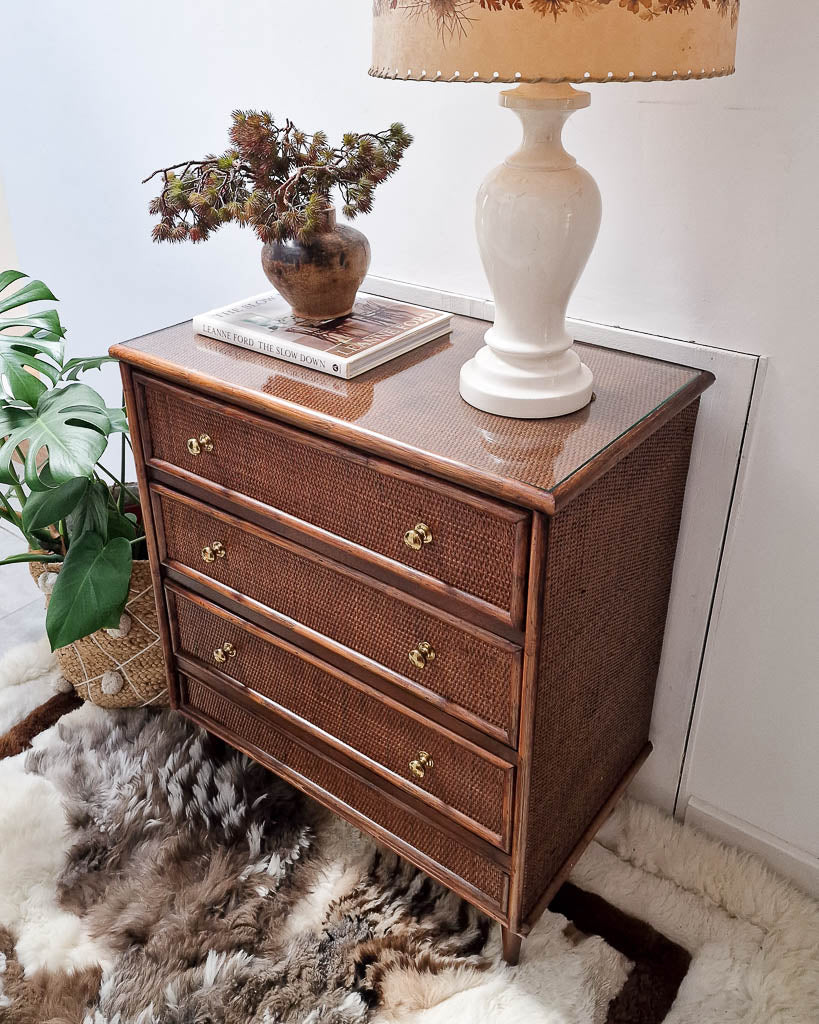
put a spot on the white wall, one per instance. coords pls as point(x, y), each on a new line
point(8, 254)
point(708, 191)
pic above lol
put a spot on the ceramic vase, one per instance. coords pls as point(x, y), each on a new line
point(319, 279)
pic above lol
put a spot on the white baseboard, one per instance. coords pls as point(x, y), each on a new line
point(789, 861)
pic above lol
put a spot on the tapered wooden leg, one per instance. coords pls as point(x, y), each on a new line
point(511, 947)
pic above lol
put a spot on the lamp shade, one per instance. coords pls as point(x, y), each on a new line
point(553, 40)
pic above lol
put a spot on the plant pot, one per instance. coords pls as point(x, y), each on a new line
point(320, 280)
point(117, 668)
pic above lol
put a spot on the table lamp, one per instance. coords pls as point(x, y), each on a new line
point(538, 214)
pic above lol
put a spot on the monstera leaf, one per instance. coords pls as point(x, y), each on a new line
point(44, 508)
point(22, 361)
point(91, 512)
point(91, 589)
point(69, 427)
point(74, 367)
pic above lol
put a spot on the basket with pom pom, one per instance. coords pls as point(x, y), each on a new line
point(116, 668)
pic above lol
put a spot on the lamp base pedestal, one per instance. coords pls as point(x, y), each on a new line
point(537, 219)
point(526, 391)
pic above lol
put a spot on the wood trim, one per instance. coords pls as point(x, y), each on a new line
point(497, 510)
point(597, 823)
point(192, 665)
point(579, 481)
point(355, 818)
point(435, 710)
point(282, 625)
point(531, 657)
point(396, 574)
point(151, 535)
point(402, 575)
point(511, 944)
point(318, 744)
point(449, 470)
point(364, 768)
point(327, 426)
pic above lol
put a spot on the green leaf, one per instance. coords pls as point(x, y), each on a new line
point(121, 525)
point(91, 589)
point(48, 320)
point(9, 277)
point(30, 556)
point(40, 341)
point(16, 380)
point(45, 480)
point(119, 421)
point(21, 354)
point(34, 291)
point(74, 367)
point(70, 424)
point(46, 508)
point(91, 513)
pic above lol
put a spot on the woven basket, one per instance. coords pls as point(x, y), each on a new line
point(113, 670)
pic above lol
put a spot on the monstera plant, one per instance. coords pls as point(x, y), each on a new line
point(54, 430)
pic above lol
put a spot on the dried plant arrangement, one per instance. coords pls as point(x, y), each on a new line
point(278, 180)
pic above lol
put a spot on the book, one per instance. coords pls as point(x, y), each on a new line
point(377, 330)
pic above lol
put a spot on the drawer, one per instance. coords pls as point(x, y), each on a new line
point(478, 546)
point(315, 771)
point(462, 781)
point(474, 675)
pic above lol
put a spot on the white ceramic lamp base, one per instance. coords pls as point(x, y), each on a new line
point(537, 219)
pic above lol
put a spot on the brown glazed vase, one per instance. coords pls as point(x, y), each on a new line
point(319, 280)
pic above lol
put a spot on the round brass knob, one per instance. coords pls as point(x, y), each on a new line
point(216, 549)
point(420, 535)
point(197, 445)
point(221, 654)
point(422, 654)
point(420, 763)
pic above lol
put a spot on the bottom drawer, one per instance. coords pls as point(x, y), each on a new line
point(481, 881)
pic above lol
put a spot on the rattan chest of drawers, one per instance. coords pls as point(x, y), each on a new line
point(444, 625)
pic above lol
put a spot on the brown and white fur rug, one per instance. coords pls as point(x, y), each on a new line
point(151, 875)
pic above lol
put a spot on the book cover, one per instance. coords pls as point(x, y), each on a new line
point(378, 329)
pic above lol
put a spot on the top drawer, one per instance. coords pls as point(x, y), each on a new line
point(478, 545)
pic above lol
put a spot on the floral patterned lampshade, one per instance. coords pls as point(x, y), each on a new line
point(553, 40)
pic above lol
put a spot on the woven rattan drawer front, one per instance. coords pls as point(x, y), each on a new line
point(472, 787)
point(476, 673)
point(366, 805)
point(478, 545)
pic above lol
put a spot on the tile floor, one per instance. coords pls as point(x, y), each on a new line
point(22, 609)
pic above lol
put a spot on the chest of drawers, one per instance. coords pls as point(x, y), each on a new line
point(443, 625)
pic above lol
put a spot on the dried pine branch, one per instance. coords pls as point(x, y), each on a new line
point(275, 179)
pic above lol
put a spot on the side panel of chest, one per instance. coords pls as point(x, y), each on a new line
point(599, 609)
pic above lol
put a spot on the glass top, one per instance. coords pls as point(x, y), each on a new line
point(412, 402)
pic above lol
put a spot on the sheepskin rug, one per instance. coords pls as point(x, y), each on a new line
point(149, 874)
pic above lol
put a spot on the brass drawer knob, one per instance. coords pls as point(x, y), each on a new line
point(422, 654)
point(221, 654)
point(214, 550)
point(197, 445)
point(418, 536)
point(418, 766)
